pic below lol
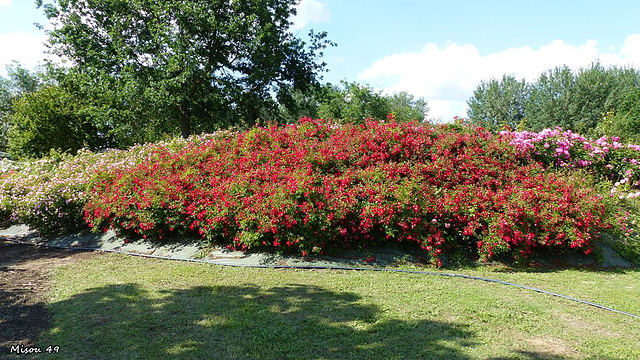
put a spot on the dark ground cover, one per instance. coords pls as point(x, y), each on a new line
point(24, 282)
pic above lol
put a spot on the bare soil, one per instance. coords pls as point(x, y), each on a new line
point(25, 275)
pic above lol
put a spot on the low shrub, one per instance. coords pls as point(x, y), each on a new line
point(50, 194)
point(314, 187)
point(606, 158)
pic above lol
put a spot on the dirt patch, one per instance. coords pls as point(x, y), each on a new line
point(25, 273)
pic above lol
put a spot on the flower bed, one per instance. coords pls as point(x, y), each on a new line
point(314, 187)
point(605, 157)
point(50, 194)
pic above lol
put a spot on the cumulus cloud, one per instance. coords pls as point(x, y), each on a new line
point(24, 47)
point(309, 11)
point(5, 3)
point(446, 75)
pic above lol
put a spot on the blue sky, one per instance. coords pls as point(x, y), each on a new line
point(439, 50)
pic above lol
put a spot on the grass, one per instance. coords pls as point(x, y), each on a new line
point(120, 307)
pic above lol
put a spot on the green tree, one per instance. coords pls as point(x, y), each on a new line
point(353, 102)
point(577, 101)
point(299, 104)
point(51, 118)
point(496, 103)
point(195, 64)
point(405, 107)
point(20, 81)
point(552, 100)
point(624, 122)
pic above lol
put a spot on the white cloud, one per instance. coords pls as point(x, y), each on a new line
point(5, 3)
point(24, 47)
point(309, 11)
point(447, 75)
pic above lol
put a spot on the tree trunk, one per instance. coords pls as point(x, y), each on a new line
point(185, 123)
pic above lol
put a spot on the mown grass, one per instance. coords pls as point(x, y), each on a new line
point(120, 307)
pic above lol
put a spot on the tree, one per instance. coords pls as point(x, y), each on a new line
point(495, 104)
point(560, 97)
point(51, 118)
point(624, 122)
point(577, 101)
point(353, 102)
point(405, 107)
point(20, 81)
point(199, 64)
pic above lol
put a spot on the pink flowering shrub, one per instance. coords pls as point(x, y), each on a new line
point(314, 187)
point(605, 157)
point(50, 194)
point(615, 164)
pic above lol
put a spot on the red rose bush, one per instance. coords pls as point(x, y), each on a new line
point(315, 187)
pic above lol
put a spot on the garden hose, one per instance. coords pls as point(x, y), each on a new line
point(313, 267)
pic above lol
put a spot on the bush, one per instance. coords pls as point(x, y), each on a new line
point(606, 158)
point(49, 194)
point(314, 187)
point(48, 119)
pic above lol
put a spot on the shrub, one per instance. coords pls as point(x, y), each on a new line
point(314, 187)
point(49, 194)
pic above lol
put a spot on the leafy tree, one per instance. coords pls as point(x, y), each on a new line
point(577, 101)
point(353, 102)
point(624, 122)
point(20, 81)
point(405, 107)
point(552, 100)
point(299, 104)
point(496, 103)
point(51, 118)
point(195, 64)
point(559, 97)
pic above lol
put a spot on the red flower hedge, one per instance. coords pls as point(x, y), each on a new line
point(314, 187)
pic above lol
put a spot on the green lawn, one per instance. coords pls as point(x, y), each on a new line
point(122, 307)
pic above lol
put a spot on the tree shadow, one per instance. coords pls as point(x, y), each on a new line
point(242, 322)
point(23, 284)
point(528, 355)
point(542, 355)
point(20, 319)
point(249, 322)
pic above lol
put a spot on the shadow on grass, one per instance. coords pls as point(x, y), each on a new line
point(23, 283)
point(248, 322)
point(529, 355)
point(243, 322)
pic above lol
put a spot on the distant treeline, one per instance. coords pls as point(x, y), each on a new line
point(593, 101)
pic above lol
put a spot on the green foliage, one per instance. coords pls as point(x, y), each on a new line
point(19, 82)
point(352, 102)
point(625, 121)
point(551, 102)
point(405, 107)
point(495, 104)
point(51, 119)
point(185, 66)
point(559, 97)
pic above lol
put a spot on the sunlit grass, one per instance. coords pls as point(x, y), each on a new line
point(119, 307)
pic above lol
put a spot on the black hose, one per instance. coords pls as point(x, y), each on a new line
point(313, 267)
